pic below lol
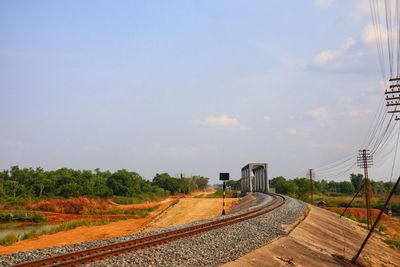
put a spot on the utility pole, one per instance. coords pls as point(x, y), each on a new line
point(310, 173)
point(393, 97)
point(393, 104)
point(364, 161)
point(376, 222)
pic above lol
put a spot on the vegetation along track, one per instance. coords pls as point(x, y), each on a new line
point(100, 253)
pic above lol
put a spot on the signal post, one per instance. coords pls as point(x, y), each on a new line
point(223, 176)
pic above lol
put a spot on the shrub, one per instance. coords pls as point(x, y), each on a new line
point(38, 217)
point(9, 239)
point(30, 235)
point(34, 217)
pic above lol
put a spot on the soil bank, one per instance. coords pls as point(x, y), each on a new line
point(315, 241)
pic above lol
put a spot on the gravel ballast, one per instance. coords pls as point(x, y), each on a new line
point(206, 249)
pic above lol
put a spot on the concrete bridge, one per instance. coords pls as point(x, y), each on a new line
point(259, 183)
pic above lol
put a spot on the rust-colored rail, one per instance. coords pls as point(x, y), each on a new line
point(100, 253)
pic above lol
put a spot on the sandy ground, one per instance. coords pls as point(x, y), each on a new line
point(187, 210)
point(314, 242)
point(191, 209)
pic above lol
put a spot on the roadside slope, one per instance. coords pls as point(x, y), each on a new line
point(314, 242)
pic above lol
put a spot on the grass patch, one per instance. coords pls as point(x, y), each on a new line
point(337, 200)
point(137, 199)
point(34, 217)
point(29, 235)
point(13, 238)
point(143, 212)
point(219, 194)
point(118, 211)
point(9, 239)
point(393, 241)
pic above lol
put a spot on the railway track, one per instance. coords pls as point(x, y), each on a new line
point(100, 253)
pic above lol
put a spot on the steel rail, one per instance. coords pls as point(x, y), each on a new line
point(100, 253)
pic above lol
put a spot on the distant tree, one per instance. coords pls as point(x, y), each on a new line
point(234, 184)
point(124, 183)
point(165, 181)
point(69, 190)
point(346, 187)
point(303, 188)
point(378, 188)
point(357, 180)
point(283, 186)
point(201, 182)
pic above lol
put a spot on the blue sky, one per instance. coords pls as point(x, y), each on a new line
point(196, 87)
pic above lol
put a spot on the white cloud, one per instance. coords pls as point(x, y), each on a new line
point(294, 131)
point(267, 118)
point(221, 121)
point(350, 42)
point(324, 57)
point(361, 106)
point(369, 36)
point(323, 3)
point(360, 9)
point(353, 55)
point(320, 114)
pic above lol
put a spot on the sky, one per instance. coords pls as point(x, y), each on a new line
point(192, 87)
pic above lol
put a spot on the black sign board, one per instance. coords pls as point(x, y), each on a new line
point(224, 176)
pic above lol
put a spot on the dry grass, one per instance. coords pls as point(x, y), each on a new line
point(81, 205)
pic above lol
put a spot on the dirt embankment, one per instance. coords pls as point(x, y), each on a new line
point(85, 233)
point(316, 240)
point(187, 210)
point(192, 209)
point(390, 226)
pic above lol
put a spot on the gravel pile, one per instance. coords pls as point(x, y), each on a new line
point(206, 249)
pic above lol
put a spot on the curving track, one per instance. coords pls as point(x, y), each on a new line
point(100, 253)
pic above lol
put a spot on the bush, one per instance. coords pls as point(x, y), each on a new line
point(34, 217)
point(30, 235)
point(38, 218)
point(9, 239)
point(124, 200)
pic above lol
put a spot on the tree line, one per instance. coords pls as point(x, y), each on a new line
point(300, 187)
point(67, 183)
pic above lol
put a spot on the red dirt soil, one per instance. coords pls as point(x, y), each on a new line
point(73, 205)
point(84, 233)
point(391, 225)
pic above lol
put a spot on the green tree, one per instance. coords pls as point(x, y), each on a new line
point(124, 183)
point(346, 187)
point(303, 188)
point(357, 180)
point(165, 181)
point(201, 182)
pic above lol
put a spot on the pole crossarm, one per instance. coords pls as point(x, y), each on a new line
point(393, 97)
